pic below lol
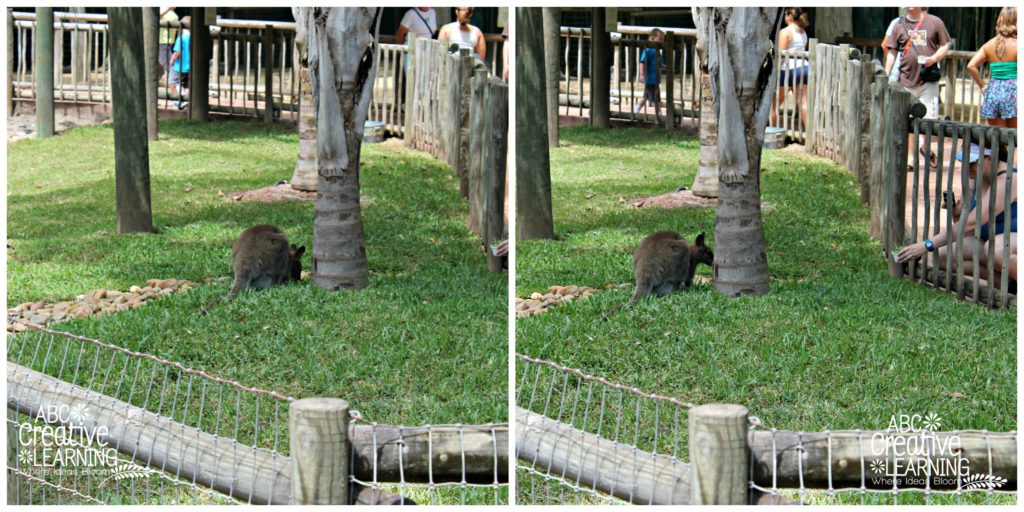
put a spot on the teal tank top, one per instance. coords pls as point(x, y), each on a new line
point(1003, 70)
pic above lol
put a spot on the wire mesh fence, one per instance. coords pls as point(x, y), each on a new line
point(582, 439)
point(91, 422)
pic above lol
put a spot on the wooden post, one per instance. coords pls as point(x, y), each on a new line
point(464, 72)
point(878, 122)
point(150, 34)
point(476, 187)
point(864, 170)
point(600, 71)
point(199, 88)
point(131, 144)
point(552, 22)
point(11, 36)
point(495, 144)
point(319, 451)
point(268, 74)
point(853, 121)
point(719, 455)
point(79, 53)
point(898, 103)
point(812, 103)
point(533, 166)
point(670, 78)
point(43, 67)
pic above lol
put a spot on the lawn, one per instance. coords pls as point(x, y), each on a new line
point(426, 342)
point(836, 343)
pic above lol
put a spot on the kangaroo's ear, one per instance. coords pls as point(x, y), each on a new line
point(700, 240)
point(300, 251)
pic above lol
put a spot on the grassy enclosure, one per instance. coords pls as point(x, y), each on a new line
point(836, 344)
point(425, 343)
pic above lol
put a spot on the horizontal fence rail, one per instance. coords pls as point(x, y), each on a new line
point(181, 435)
point(583, 439)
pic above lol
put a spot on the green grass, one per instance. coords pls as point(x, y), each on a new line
point(426, 342)
point(836, 343)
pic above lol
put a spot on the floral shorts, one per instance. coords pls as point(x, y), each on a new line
point(1000, 99)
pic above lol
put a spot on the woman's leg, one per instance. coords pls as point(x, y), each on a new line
point(970, 244)
point(998, 263)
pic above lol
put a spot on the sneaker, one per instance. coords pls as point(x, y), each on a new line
point(182, 105)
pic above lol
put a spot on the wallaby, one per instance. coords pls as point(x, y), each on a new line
point(664, 263)
point(262, 257)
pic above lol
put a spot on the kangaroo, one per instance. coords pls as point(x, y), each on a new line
point(262, 257)
point(664, 263)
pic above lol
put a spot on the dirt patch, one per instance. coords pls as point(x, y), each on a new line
point(678, 199)
point(282, 191)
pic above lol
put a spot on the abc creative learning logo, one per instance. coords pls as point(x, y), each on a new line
point(61, 441)
point(909, 453)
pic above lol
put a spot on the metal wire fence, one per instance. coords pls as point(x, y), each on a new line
point(582, 439)
point(91, 422)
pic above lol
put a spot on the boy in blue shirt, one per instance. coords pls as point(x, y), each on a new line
point(181, 61)
point(649, 75)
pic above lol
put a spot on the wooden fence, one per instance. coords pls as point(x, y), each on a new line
point(679, 87)
point(253, 62)
point(458, 112)
point(863, 122)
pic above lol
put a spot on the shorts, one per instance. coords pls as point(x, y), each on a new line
point(164, 56)
point(1000, 100)
point(927, 93)
point(178, 79)
point(652, 93)
point(793, 76)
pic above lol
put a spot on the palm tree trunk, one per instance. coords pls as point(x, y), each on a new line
point(305, 175)
point(742, 71)
point(341, 96)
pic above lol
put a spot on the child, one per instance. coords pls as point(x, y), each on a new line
point(181, 62)
point(648, 74)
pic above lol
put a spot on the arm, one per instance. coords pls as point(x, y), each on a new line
point(975, 64)
point(890, 59)
point(165, 10)
point(641, 72)
point(442, 35)
point(979, 215)
point(400, 34)
point(481, 45)
point(940, 54)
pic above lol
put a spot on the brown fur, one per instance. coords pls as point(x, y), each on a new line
point(262, 257)
point(664, 263)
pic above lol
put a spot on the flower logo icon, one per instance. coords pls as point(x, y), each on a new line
point(932, 422)
point(25, 457)
point(79, 414)
point(877, 466)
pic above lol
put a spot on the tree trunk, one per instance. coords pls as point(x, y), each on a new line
point(533, 166)
point(600, 70)
point(11, 37)
point(305, 175)
point(131, 146)
point(705, 184)
point(43, 68)
point(552, 24)
point(150, 34)
point(199, 86)
point(743, 74)
point(340, 51)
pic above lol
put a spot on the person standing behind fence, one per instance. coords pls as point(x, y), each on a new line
point(421, 21)
point(181, 62)
point(994, 231)
point(894, 71)
point(166, 40)
point(463, 34)
point(922, 42)
point(794, 74)
point(649, 75)
point(999, 103)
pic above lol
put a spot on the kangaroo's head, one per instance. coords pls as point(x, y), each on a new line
point(701, 253)
point(295, 262)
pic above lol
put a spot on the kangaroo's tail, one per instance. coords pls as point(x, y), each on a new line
point(639, 291)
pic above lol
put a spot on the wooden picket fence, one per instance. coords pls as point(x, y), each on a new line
point(458, 112)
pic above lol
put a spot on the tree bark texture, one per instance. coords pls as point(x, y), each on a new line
point(552, 24)
point(305, 175)
point(533, 165)
point(705, 183)
point(743, 74)
point(339, 46)
point(43, 68)
point(131, 145)
point(150, 42)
